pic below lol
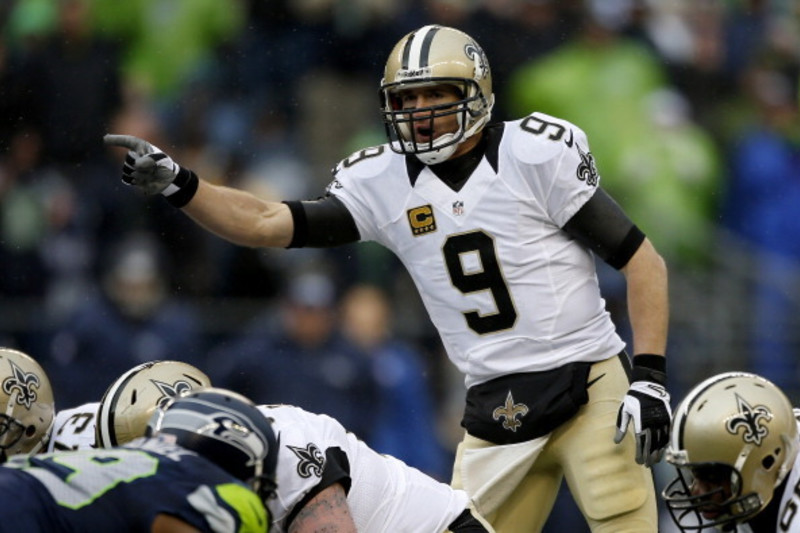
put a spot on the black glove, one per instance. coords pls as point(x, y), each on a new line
point(647, 404)
point(152, 171)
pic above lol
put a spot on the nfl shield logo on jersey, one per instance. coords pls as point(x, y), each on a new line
point(458, 208)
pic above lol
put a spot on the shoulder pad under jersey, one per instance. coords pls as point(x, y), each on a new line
point(366, 163)
point(538, 137)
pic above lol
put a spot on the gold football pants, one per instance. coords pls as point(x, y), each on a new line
point(615, 494)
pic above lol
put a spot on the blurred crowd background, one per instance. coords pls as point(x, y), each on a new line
point(691, 108)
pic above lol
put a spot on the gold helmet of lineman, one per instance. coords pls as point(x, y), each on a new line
point(436, 55)
point(733, 440)
point(27, 408)
point(130, 401)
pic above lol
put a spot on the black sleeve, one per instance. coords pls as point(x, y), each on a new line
point(603, 226)
point(322, 223)
point(337, 470)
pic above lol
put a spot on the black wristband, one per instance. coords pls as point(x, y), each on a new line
point(650, 367)
point(187, 182)
point(300, 235)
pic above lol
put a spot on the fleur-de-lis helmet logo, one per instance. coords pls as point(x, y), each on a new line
point(478, 56)
point(24, 384)
point(751, 421)
point(509, 412)
point(169, 391)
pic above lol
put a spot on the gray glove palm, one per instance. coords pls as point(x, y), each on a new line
point(153, 172)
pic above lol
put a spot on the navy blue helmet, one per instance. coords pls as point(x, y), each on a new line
point(225, 428)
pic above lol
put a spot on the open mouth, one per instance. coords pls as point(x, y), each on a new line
point(423, 134)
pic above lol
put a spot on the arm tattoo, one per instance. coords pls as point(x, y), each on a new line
point(327, 512)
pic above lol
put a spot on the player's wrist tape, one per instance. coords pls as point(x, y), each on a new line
point(650, 367)
point(183, 188)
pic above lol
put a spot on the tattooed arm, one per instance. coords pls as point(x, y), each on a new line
point(327, 512)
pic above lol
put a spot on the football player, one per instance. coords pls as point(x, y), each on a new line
point(26, 405)
point(499, 225)
point(209, 467)
point(320, 462)
point(123, 412)
point(734, 443)
point(322, 466)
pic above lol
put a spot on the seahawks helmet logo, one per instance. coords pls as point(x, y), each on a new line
point(169, 392)
point(510, 411)
point(751, 420)
point(24, 384)
point(311, 461)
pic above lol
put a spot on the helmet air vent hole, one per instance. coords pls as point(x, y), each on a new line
point(769, 461)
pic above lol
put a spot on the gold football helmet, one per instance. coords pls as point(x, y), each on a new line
point(130, 401)
point(436, 55)
point(26, 404)
point(733, 440)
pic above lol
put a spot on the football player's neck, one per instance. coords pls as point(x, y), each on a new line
point(467, 146)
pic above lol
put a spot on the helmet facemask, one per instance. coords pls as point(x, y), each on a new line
point(402, 124)
point(11, 431)
point(428, 57)
point(707, 495)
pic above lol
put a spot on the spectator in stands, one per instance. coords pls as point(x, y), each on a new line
point(132, 318)
point(658, 164)
point(761, 203)
point(301, 358)
point(76, 88)
point(406, 403)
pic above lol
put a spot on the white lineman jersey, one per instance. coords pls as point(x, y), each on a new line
point(73, 429)
point(385, 494)
point(508, 290)
point(788, 519)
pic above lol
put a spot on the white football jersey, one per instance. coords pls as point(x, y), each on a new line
point(788, 521)
point(508, 290)
point(385, 494)
point(73, 429)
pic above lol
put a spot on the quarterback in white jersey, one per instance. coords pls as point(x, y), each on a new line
point(492, 236)
point(316, 454)
point(499, 226)
point(734, 443)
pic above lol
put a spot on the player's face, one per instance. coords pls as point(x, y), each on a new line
point(426, 126)
point(715, 483)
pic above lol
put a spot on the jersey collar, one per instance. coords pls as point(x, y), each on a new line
point(456, 172)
